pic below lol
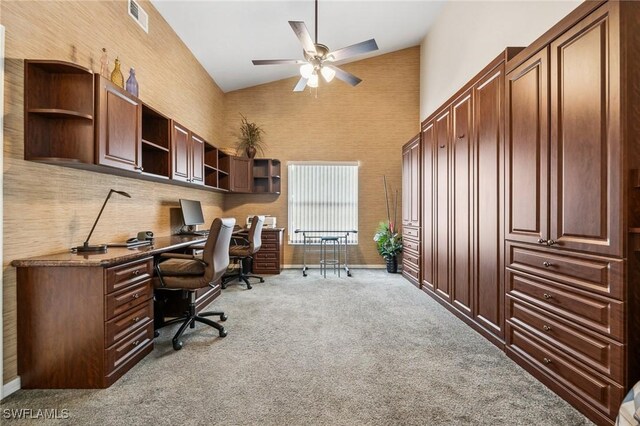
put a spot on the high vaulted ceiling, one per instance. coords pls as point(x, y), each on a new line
point(225, 35)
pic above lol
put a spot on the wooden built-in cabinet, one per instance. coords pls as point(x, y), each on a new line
point(531, 206)
point(268, 260)
point(75, 118)
point(411, 210)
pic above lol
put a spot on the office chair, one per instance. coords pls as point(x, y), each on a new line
point(248, 247)
point(187, 273)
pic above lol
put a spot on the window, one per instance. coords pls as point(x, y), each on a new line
point(323, 196)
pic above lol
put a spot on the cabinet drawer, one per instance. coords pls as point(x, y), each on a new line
point(411, 245)
point(266, 267)
point(597, 390)
point(410, 232)
point(410, 258)
point(122, 276)
point(591, 273)
point(129, 347)
point(119, 302)
point(411, 272)
point(128, 322)
point(599, 353)
point(590, 310)
point(269, 236)
point(265, 256)
point(268, 246)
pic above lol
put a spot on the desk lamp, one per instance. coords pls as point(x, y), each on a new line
point(101, 248)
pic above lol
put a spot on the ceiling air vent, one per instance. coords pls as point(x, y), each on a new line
point(139, 15)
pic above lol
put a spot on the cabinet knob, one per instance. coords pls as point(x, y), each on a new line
point(542, 241)
point(135, 343)
point(136, 319)
point(546, 360)
point(547, 296)
point(442, 146)
point(551, 242)
point(136, 272)
point(547, 264)
point(546, 328)
point(461, 136)
point(135, 295)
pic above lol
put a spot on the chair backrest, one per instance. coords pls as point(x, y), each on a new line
point(255, 233)
point(216, 249)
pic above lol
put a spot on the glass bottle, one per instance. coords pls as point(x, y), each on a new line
point(132, 83)
point(104, 64)
point(116, 76)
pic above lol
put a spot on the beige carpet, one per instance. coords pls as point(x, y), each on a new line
point(371, 349)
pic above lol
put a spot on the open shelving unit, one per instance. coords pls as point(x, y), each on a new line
point(216, 168)
point(59, 112)
point(266, 176)
point(156, 142)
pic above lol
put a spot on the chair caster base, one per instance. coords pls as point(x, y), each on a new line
point(156, 333)
point(223, 317)
point(222, 333)
point(177, 345)
point(261, 280)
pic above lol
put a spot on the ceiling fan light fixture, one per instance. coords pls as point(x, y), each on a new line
point(313, 80)
point(327, 74)
point(306, 70)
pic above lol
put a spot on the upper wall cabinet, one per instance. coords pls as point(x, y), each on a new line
point(241, 174)
point(187, 155)
point(59, 118)
point(118, 127)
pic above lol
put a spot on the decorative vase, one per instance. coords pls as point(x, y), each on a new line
point(104, 64)
point(116, 76)
point(132, 83)
point(251, 151)
point(392, 264)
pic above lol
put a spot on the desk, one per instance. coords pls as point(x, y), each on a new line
point(85, 319)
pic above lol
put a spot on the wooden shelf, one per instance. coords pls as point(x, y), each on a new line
point(59, 113)
point(154, 145)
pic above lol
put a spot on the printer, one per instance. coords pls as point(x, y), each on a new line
point(269, 221)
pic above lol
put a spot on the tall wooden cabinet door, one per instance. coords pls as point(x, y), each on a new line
point(197, 159)
point(241, 174)
point(441, 160)
point(461, 203)
point(406, 187)
point(488, 300)
point(527, 150)
point(414, 213)
point(426, 242)
point(586, 163)
point(119, 131)
point(180, 153)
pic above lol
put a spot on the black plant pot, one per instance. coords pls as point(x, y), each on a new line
point(392, 264)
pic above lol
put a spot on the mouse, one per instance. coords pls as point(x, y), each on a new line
point(132, 240)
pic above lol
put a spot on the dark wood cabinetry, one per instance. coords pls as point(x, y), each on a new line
point(411, 193)
point(572, 278)
point(268, 260)
point(266, 176)
point(427, 262)
point(118, 127)
point(241, 174)
point(187, 155)
point(156, 142)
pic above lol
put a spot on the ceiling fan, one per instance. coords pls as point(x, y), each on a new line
point(318, 59)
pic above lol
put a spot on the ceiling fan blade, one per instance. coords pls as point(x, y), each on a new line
point(303, 35)
point(278, 61)
point(347, 77)
point(302, 83)
point(353, 50)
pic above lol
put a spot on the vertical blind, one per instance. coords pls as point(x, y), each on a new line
point(323, 197)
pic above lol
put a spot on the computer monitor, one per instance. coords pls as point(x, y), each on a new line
point(191, 212)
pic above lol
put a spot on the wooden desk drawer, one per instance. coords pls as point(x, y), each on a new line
point(601, 354)
point(120, 302)
point(269, 236)
point(409, 258)
point(599, 391)
point(591, 273)
point(128, 322)
point(266, 268)
point(410, 232)
point(269, 246)
point(265, 256)
point(411, 245)
point(593, 311)
point(129, 347)
point(411, 272)
point(122, 276)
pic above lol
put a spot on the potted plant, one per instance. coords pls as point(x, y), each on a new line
point(250, 138)
point(388, 241)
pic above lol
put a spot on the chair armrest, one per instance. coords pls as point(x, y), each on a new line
point(234, 241)
point(167, 256)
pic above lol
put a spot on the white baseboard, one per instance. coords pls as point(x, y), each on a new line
point(11, 387)
point(350, 266)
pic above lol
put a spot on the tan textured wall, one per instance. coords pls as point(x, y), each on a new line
point(50, 208)
point(368, 123)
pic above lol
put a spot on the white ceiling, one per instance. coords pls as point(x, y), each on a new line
point(225, 35)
